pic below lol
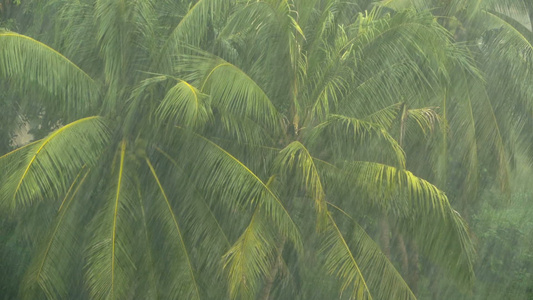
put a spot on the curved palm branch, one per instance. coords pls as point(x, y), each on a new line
point(415, 201)
point(341, 260)
point(175, 235)
point(223, 176)
point(48, 166)
point(187, 31)
point(345, 133)
point(110, 268)
point(296, 158)
point(48, 268)
point(186, 106)
point(381, 275)
point(250, 259)
point(27, 62)
point(234, 91)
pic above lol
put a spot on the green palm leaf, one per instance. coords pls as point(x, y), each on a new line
point(250, 259)
point(232, 90)
point(414, 201)
point(49, 267)
point(223, 176)
point(48, 166)
point(341, 261)
point(381, 275)
point(187, 31)
point(27, 62)
point(188, 285)
point(350, 133)
point(110, 267)
point(296, 159)
point(185, 106)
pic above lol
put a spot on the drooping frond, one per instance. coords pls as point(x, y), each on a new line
point(47, 167)
point(443, 234)
point(193, 27)
point(26, 61)
point(113, 38)
point(185, 106)
point(231, 89)
point(340, 261)
point(347, 134)
point(486, 133)
point(201, 207)
point(386, 116)
point(382, 183)
point(330, 72)
point(140, 101)
point(426, 118)
point(246, 131)
point(147, 288)
point(296, 159)
point(392, 62)
point(273, 27)
point(180, 266)
point(48, 271)
point(328, 96)
point(221, 175)
point(234, 91)
point(380, 274)
point(203, 219)
point(250, 259)
point(110, 268)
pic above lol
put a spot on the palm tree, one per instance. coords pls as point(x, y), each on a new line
point(490, 106)
point(235, 148)
point(484, 112)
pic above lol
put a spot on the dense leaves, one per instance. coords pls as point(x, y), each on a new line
point(242, 149)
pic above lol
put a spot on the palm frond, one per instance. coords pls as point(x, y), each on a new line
point(415, 201)
point(201, 12)
point(426, 118)
point(47, 167)
point(188, 285)
point(347, 134)
point(110, 268)
point(340, 261)
point(296, 159)
point(189, 32)
point(385, 116)
point(381, 275)
point(149, 288)
point(250, 259)
point(185, 106)
point(26, 61)
point(201, 207)
point(219, 174)
point(48, 269)
point(234, 91)
point(382, 182)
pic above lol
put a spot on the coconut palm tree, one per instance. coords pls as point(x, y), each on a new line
point(485, 113)
point(241, 149)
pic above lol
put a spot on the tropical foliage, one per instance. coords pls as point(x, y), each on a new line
point(273, 149)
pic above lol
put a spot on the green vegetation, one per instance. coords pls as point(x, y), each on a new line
point(272, 149)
